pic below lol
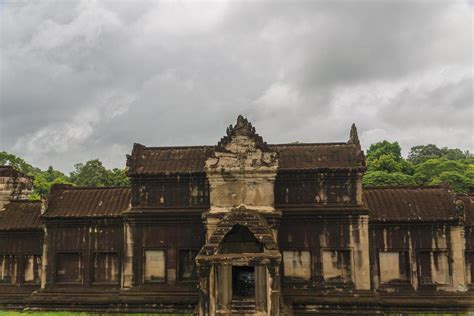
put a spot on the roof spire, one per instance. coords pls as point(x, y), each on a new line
point(242, 128)
point(354, 140)
point(353, 136)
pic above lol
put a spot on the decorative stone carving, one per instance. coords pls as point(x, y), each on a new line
point(242, 170)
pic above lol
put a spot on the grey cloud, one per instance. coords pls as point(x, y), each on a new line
point(86, 79)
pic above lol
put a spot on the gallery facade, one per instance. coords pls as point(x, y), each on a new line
point(241, 227)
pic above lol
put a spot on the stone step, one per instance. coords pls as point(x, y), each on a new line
point(242, 306)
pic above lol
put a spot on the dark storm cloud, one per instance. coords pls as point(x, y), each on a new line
point(81, 80)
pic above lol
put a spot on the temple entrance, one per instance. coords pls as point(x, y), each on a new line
point(238, 267)
point(243, 282)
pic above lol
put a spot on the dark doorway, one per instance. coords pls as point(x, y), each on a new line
point(243, 282)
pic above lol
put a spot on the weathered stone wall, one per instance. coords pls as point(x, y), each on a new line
point(318, 189)
point(84, 239)
point(434, 255)
point(14, 187)
point(318, 236)
point(170, 192)
point(242, 174)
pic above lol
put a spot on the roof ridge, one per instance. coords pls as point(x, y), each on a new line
point(179, 147)
point(278, 144)
point(95, 188)
point(25, 201)
point(311, 144)
point(381, 187)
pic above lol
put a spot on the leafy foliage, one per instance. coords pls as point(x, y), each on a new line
point(386, 163)
point(384, 148)
point(425, 165)
point(377, 178)
point(45, 179)
point(92, 173)
point(19, 164)
point(421, 153)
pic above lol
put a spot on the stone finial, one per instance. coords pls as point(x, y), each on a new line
point(354, 140)
point(353, 136)
point(242, 128)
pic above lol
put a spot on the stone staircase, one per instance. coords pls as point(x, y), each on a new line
point(242, 306)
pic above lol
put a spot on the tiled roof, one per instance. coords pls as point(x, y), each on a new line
point(176, 160)
point(21, 215)
point(172, 160)
point(410, 203)
point(468, 208)
point(67, 201)
point(317, 156)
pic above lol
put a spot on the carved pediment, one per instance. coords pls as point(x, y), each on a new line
point(242, 170)
point(242, 148)
point(242, 128)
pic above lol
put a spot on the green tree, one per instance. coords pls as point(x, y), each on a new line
point(7, 159)
point(92, 173)
point(432, 168)
point(407, 167)
point(384, 148)
point(376, 178)
point(43, 180)
point(421, 153)
point(453, 154)
point(385, 162)
point(458, 181)
point(118, 178)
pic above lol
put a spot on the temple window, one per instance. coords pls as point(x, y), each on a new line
point(337, 266)
point(154, 270)
point(297, 264)
point(8, 269)
point(32, 269)
point(434, 267)
point(187, 266)
point(394, 267)
point(106, 267)
point(69, 268)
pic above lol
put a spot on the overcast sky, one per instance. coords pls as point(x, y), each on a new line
point(87, 79)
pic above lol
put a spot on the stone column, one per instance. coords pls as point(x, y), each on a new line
point(127, 276)
point(359, 240)
point(45, 259)
point(224, 288)
point(260, 288)
point(204, 272)
point(274, 297)
point(457, 258)
point(212, 291)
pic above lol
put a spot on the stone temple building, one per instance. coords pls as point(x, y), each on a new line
point(240, 227)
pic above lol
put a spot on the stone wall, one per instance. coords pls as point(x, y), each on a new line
point(13, 186)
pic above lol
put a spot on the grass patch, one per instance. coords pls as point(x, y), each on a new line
point(26, 313)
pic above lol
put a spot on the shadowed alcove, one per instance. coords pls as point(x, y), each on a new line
point(240, 240)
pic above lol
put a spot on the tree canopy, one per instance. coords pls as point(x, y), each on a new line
point(91, 173)
point(384, 148)
point(425, 165)
point(421, 153)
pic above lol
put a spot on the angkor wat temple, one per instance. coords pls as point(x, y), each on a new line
point(241, 227)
